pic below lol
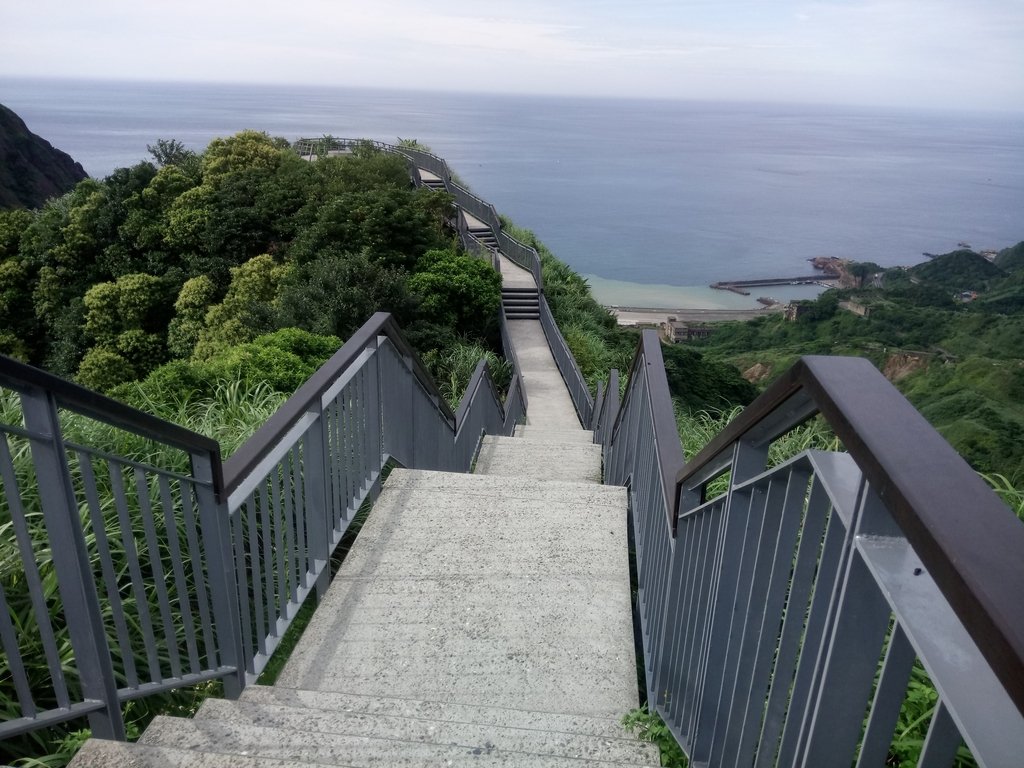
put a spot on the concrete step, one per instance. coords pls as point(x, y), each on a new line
point(540, 459)
point(245, 716)
point(96, 753)
point(313, 742)
point(341, 701)
point(494, 591)
point(554, 435)
point(519, 290)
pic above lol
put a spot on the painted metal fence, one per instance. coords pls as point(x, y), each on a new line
point(136, 572)
point(784, 617)
point(567, 365)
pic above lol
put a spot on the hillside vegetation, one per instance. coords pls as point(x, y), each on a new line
point(166, 272)
point(948, 332)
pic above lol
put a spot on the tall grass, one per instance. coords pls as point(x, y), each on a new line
point(452, 369)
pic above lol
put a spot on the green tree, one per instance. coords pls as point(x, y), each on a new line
point(194, 299)
point(247, 310)
point(336, 293)
point(459, 291)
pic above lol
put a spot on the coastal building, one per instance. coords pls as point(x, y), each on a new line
point(855, 307)
point(677, 331)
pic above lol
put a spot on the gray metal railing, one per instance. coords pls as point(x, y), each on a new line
point(138, 573)
point(567, 366)
point(776, 614)
point(324, 452)
point(101, 553)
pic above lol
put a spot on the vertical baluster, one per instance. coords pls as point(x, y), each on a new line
point(293, 506)
point(849, 669)
point(314, 477)
point(336, 461)
point(252, 552)
point(203, 569)
point(157, 569)
point(885, 709)
point(267, 535)
point(124, 519)
point(831, 563)
point(767, 608)
point(747, 461)
point(245, 602)
point(282, 539)
point(810, 551)
point(99, 529)
point(943, 740)
point(15, 663)
point(227, 592)
point(71, 563)
point(180, 584)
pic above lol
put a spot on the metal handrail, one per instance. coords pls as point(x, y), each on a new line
point(566, 363)
point(17, 376)
point(770, 612)
point(927, 486)
point(249, 455)
point(228, 560)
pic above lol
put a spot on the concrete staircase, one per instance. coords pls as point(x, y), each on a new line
point(520, 303)
point(432, 181)
point(481, 619)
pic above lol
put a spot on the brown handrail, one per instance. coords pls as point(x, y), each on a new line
point(969, 541)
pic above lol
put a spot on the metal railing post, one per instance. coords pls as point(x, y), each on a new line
point(75, 579)
point(315, 474)
point(214, 523)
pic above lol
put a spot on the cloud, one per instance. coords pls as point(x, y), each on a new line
point(880, 51)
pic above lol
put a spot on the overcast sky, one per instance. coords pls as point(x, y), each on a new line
point(944, 53)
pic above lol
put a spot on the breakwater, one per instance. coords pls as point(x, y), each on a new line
point(741, 286)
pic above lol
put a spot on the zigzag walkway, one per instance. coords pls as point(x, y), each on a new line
point(479, 619)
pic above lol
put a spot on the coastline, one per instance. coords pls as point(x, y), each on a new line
point(667, 299)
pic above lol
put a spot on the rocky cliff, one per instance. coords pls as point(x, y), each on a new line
point(31, 169)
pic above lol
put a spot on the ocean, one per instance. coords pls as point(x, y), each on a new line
point(650, 200)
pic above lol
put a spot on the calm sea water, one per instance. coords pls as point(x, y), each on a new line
point(647, 197)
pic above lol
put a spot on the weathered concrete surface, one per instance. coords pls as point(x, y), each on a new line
point(545, 459)
point(246, 717)
point(456, 592)
point(514, 276)
point(215, 746)
point(554, 435)
point(550, 404)
point(333, 701)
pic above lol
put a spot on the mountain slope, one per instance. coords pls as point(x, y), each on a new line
point(31, 169)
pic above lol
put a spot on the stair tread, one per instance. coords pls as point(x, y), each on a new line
point(226, 738)
point(237, 715)
point(528, 432)
point(431, 709)
point(97, 753)
point(546, 459)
